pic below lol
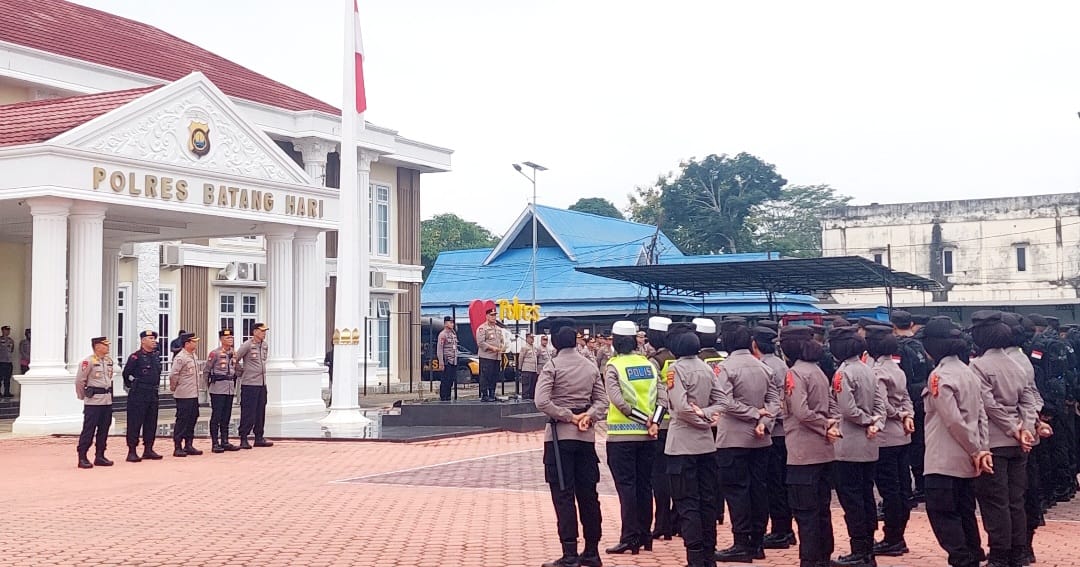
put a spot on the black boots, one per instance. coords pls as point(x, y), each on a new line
point(191, 450)
point(743, 551)
point(779, 541)
point(262, 442)
point(101, 461)
point(623, 547)
point(133, 456)
point(84, 463)
point(148, 453)
point(179, 451)
point(569, 557)
point(245, 445)
point(591, 556)
point(862, 554)
point(887, 549)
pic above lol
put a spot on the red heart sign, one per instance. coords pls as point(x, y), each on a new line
point(477, 309)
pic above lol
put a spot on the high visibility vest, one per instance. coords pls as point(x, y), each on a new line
point(637, 381)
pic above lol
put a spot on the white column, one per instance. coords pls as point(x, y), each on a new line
point(279, 292)
point(314, 152)
point(47, 402)
point(363, 169)
point(110, 281)
point(86, 236)
point(145, 288)
point(310, 299)
point(28, 282)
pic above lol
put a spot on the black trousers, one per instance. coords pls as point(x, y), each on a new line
point(6, 368)
point(1033, 495)
point(950, 506)
point(1065, 431)
point(142, 417)
point(1001, 502)
point(446, 381)
point(665, 520)
point(220, 416)
point(694, 488)
point(779, 511)
point(528, 385)
point(95, 427)
point(854, 484)
point(889, 475)
point(252, 411)
point(187, 413)
point(489, 374)
point(581, 472)
point(745, 487)
point(809, 496)
point(917, 448)
point(631, 465)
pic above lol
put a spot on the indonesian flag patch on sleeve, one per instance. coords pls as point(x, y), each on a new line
point(935, 386)
point(1036, 354)
point(838, 382)
point(670, 379)
point(789, 383)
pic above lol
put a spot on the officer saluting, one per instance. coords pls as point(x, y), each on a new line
point(184, 384)
point(221, 380)
point(142, 373)
point(93, 385)
point(252, 355)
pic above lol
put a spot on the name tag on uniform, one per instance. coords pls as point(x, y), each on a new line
point(640, 373)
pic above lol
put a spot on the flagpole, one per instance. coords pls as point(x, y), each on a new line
point(349, 325)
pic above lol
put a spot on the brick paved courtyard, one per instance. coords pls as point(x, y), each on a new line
point(467, 501)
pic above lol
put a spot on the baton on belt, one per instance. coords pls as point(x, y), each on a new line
point(555, 447)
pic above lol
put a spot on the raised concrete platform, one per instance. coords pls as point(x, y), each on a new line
point(510, 415)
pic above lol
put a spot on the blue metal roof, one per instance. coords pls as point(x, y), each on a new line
point(461, 276)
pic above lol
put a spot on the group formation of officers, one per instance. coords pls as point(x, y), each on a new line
point(772, 421)
point(224, 368)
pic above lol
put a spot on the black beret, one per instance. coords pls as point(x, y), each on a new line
point(1010, 319)
point(986, 317)
point(867, 321)
point(839, 333)
point(796, 332)
point(225, 333)
point(840, 322)
point(920, 319)
point(99, 340)
point(681, 327)
point(734, 319)
point(901, 319)
point(1052, 321)
point(764, 334)
point(878, 331)
point(941, 328)
point(559, 323)
point(816, 329)
point(769, 324)
point(447, 319)
point(1039, 320)
point(728, 325)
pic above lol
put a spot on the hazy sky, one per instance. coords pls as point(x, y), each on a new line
point(885, 102)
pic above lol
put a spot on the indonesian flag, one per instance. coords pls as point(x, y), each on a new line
point(361, 96)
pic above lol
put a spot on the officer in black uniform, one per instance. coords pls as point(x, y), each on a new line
point(827, 362)
point(1050, 356)
point(142, 378)
point(1067, 428)
point(916, 366)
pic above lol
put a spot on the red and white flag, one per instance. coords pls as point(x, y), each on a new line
point(361, 95)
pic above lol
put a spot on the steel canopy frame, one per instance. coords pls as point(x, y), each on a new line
point(793, 275)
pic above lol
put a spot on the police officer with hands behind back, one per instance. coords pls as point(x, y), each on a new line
point(142, 374)
point(252, 355)
point(221, 380)
point(93, 385)
point(184, 384)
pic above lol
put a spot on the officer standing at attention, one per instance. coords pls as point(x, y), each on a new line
point(665, 524)
point(811, 426)
point(957, 444)
point(781, 536)
point(24, 354)
point(221, 384)
point(860, 399)
point(252, 355)
point(7, 367)
point(570, 392)
point(632, 389)
point(142, 377)
point(184, 384)
point(490, 347)
point(916, 366)
point(446, 353)
point(1009, 406)
point(93, 385)
point(527, 363)
point(749, 400)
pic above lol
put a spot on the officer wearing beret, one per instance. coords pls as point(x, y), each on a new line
point(446, 353)
point(252, 355)
point(184, 384)
point(781, 536)
point(916, 366)
point(142, 375)
point(93, 385)
point(221, 366)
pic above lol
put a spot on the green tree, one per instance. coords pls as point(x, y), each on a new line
point(597, 206)
point(645, 202)
point(450, 232)
point(706, 206)
point(790, 224)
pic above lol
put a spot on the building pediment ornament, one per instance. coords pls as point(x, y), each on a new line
point(192, 125)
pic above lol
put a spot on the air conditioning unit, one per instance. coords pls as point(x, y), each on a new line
point(245, 271)
point(171, 256)
point(378, 279)
point(260, 272)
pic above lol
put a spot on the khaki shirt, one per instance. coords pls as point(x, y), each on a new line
point(1017, 354)
point(221, 362)
point(252, 356)
point(7, 348)
point(184, 376)
point(570, 384)
point(746, 386)
point(809, 407)
point(94, 372)
point(489, 341)
point(693, 382)
point(446, 347)
point(1007, 400)
point(956, 423)
point(897, 401)
point(543, 355)
point(603, 355)
point(527, 358)
point(860, 397)
point(779, 372)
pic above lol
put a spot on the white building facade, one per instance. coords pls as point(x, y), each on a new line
point(1012, 251)
point(132, 201)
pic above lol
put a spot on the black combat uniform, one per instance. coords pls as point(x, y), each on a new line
point(142, 378)
point(916, 366)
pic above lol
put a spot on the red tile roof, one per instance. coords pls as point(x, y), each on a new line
point(98, 37)
point(41, 120)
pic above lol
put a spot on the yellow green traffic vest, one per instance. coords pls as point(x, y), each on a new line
point(637, 381)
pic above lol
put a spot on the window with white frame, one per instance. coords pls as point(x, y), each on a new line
point(379, 330)
point(379, 201)
point(121, 322)
point(165, 301)
point(1021, 258)
point(238, 311)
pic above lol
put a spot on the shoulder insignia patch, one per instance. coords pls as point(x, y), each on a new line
point(896, 358)
point(789, 383)
point(935, 386)
point(1037, 354)
point(85, 364)
point(838, 382)
point(670, 379)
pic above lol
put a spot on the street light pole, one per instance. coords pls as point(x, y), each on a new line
point(535, 167)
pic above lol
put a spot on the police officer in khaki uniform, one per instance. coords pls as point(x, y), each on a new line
point(665, 524)
point(781, 536)
point(93, 385)
point(446, 353)
point(528, 365)
point(221, 366)
point(184, 384)
point(957, 444)
point(252, 355)
point(490, 344)
point(7, 367)
point(570, 392)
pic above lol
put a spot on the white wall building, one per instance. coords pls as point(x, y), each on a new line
point(1012, 251)
point(146, 183)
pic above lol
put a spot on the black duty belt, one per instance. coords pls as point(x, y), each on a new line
point(214, 378)
point(94, 390)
